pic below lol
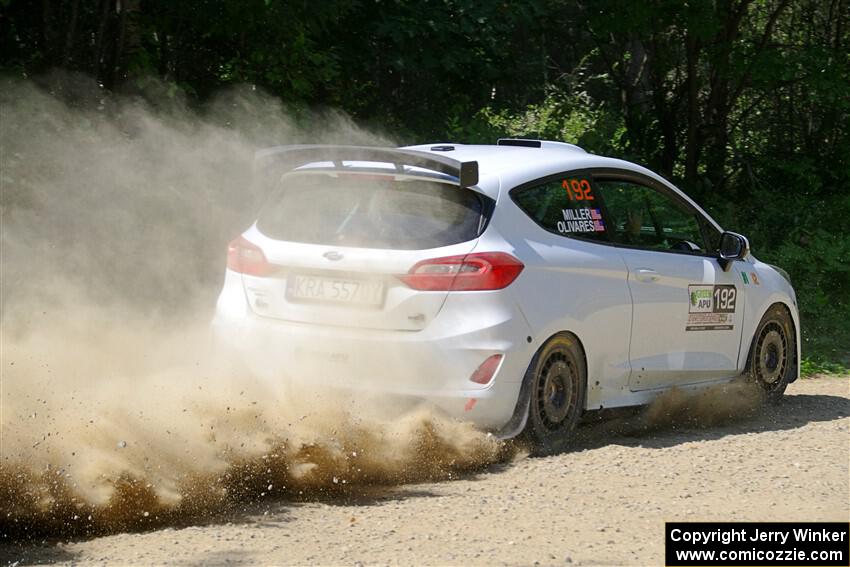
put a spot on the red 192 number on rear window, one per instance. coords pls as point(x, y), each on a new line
point(577, 189)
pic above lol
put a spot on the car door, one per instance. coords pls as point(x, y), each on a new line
point(574, 279)
point(687, 309)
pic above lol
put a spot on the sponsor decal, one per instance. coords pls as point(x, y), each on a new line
point(709, 322)
point(711, 307)
point(744, 277)
point(700, 298)
point(581, 220)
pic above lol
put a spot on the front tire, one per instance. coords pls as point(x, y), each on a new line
point(772, 364)
point(558, 378)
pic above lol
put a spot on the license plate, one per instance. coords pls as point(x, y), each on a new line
point(338, 290)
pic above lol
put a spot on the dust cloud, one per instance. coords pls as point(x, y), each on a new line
point(117, 411)
point(675, 411)
point(715, 405)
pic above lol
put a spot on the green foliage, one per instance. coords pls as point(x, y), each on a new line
point(553, 119)
point(816, 256)
point(810, 367)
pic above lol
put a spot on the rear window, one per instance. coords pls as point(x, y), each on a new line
point(371, 212)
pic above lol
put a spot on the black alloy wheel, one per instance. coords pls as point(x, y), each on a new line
point(558, 378)
point(773, 355)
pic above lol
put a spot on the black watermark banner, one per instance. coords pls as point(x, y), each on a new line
point(809, 544)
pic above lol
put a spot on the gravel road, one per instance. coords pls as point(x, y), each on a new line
point(603, 503)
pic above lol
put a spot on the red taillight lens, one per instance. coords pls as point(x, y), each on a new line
point(484, 373)
point(472, 272)
point(247, 258)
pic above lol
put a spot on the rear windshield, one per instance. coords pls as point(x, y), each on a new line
point(371, 212)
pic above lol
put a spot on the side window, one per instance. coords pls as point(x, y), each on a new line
point(565, 205)
point(712, 236)
point(645, 218)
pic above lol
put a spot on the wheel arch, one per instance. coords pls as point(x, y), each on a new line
point(518, 419)
point(795, 325)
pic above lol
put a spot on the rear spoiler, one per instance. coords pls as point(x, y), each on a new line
point(291, 157)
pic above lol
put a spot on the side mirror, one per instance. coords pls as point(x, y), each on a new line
point(733, 246)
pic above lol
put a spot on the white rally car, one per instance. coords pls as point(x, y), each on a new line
point(514, 285)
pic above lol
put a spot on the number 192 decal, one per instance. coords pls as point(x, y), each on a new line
point(577, 189)
point(724, 298)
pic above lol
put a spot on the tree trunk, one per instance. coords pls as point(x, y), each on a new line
point(717, 110)
point(47, 32)
point(99, 38)
point(72, 31)
point(635, 99)
point(692, 149)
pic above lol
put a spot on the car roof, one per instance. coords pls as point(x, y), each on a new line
point(515, 164)
point(496, 158)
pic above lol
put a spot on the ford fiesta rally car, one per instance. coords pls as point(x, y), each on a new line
point(514, 285)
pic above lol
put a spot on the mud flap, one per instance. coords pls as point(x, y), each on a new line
point(516, 424)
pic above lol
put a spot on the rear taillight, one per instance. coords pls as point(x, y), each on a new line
point(247, 258)
point(484, 373)
point(472, 272)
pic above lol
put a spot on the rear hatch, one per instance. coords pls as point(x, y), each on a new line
point(329, 247)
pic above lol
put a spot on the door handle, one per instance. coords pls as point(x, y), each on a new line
point(646, 275)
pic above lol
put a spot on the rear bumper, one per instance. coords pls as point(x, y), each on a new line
point(432, 366)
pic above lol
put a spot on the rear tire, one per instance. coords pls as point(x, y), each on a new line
point(557, 379)
point(772, 364)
